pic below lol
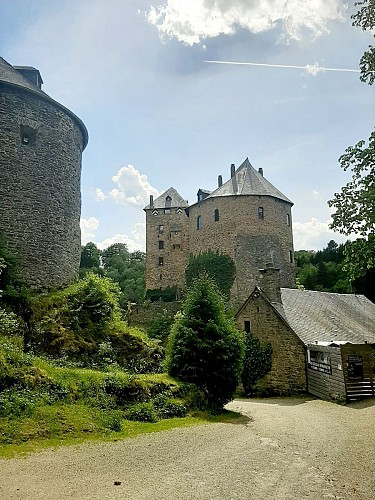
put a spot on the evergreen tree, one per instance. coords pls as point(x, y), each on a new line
point(205, 348)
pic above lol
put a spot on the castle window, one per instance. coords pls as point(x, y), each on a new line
point(167, 210)
point(168, 201)
point(260, 213)
point(247, 326)
point(161, 245)
point(216, 214)
point(287, 219)
point(199, 222)
point(161, 229)
point(28, 135)
point(161, 261)
point(290, 256)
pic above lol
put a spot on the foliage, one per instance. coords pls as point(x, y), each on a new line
point(205, 348)
point(168, 294)
point(354, 207)
point(365, 18)
point(127, 269)
point(83, 322)
point(323, 270)
point(257, 362)
point(142, 412)
point(90, 259)
point(160, 327)
point(219, 267)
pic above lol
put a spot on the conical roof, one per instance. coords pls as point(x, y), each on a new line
point(175, 201)
point(247, 181)
point(10, 76)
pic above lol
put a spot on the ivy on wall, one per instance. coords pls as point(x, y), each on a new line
point(219, 267)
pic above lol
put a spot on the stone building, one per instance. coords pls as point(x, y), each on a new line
point(246, 218)
point(41, 145)
point(300, 324)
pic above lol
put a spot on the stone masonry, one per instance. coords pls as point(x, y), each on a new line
point(41, 146)
point(246, 218)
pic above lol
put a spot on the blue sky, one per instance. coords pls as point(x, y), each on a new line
point(158, 115)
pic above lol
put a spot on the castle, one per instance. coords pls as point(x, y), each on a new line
point(246, 218)
point(41, 145)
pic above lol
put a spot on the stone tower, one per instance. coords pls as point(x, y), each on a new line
point(167, 241)
point(41, 144)
point(248, 219)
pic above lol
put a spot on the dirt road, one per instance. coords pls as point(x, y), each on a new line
point(292, 448)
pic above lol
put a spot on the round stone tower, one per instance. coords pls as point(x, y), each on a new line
point(41, 144)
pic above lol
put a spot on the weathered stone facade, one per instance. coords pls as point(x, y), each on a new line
point(40, 172)
point(167, 241)
point(260, 318)
point(245, 218)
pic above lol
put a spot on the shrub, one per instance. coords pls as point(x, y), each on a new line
point(141, 412)
point(205, 348)
point(168, 294)
point(160, 327)
point(257, 362)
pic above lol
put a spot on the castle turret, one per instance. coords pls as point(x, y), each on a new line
point(40, 172)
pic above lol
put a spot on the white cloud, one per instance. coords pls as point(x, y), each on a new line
point(314, 235)
point(88, 228)
point(196, 20)
point(133, 187)
point(99, 195)
point(136, 242)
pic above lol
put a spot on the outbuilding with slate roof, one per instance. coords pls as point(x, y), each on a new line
point(320, 340)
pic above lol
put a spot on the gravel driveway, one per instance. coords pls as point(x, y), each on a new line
point(292, 448)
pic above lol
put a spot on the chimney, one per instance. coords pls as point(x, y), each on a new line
point(220, 181)
point(269, 282)
point(151, 200)
point(232, 169)
point(260, 170)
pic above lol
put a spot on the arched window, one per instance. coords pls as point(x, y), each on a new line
point(287, 219)
point(216, 214)
point(199, 222)
point(260, 213)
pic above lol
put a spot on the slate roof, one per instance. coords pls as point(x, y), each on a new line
point(177, 200)
point(247, 181)
point(10, 76)
point(328, 317)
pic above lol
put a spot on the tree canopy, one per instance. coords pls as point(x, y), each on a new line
point(365, 19)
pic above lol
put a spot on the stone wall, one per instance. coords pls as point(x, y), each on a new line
point(252, 241)
point(165, 267)
point(141, 315)
point(288, 372)
point(40, 201)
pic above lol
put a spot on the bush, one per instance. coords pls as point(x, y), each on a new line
point(160, 327)
point(169, 294)
point(142, 412)
point(257, 362)
point(205, 348)
point(83, 323)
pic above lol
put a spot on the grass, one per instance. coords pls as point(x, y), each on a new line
point(63, 425)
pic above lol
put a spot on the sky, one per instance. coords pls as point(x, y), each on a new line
point(159, 115)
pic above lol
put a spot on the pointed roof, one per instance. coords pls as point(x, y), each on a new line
point(329, 317)
point(175, 202)
point(247, 181)
point(10, 76)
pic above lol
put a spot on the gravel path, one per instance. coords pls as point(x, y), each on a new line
point(292, 448)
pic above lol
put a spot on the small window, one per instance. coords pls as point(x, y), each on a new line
point(167, 210)
point(199, 222)
point(216, 214)
point(161, 229)
point(176, 246)
point(28, 135)
point(260, 213)
point(247, 326)
point(287, 219)
point(161, 245)
point(168, 201)
point(161, 261)
point(290, 256)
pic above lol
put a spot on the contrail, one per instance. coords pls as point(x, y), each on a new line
point(310, 68)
